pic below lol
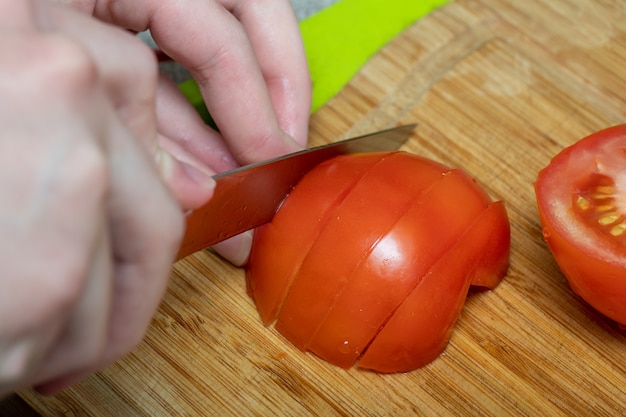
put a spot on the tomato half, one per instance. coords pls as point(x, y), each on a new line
point(372, 252)
point(581, 197)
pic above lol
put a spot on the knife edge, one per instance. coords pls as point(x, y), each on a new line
point(249, 196)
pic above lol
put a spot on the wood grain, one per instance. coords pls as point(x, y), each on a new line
point(497, 87)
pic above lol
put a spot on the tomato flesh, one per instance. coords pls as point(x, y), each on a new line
point(599, 206)
point(581, 198)
point(338, 263)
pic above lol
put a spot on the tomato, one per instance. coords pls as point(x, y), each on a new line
point(369, 259)
point(581, 198)
point(432, 307)
point(313, 210)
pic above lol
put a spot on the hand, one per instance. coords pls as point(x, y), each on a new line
point(88, 231)
point(249, 62)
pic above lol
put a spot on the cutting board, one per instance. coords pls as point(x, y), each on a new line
point(498, 87)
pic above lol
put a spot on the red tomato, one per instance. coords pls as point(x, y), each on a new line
point(371, 257)
point(581, 197)
point(314, 210)
point(432, 307)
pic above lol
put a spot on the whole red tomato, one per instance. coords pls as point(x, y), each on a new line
point(581, 197)
point(370, 258)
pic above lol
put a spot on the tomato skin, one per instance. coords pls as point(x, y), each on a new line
point(269, 294)
point(592, 260)
point(405, 253)
point(420, 328)
point(379, 198)
point(405, 231)
point(600, 283)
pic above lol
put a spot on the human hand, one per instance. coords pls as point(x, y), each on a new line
point(249, 62)
point(88, 230)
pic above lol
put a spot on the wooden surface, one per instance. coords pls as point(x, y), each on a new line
point(497, 88)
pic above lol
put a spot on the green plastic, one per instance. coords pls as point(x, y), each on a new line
point(340, 39)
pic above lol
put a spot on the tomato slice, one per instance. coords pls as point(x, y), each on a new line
point(423, 234)
point(391, 244)
point(370, 209)
point(581, 198)
point(420, 328)
point(279, 259)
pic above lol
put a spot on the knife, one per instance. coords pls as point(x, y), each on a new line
point(247, 197)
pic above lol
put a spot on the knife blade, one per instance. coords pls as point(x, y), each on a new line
point(248, 197)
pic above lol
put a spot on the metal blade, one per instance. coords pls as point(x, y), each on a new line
point(249, 196)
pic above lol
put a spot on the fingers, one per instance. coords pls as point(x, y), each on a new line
point(273, 30)
point(178, 121)
point(84, 337)
point(189, 181)
point(83, 199)
point(208, 39)
point(107, 260)
point(223, 57)
point(16, 15)
point(146, 229)
point(236, 249)
point(128, 68)
point(52, 181)
point(129, 73)
point(249, 62)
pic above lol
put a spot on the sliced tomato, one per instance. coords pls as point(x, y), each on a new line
point(420, 328)
point(313, 202)
point(332, 268)
point(405, 253)
point(367, 213)
point(581, 198)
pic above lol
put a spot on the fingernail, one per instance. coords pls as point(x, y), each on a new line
point(291, 143)
point(167, 163)
point(198, 176)
point(164, 162)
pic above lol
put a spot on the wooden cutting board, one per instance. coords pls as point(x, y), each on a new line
point(498, 87)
